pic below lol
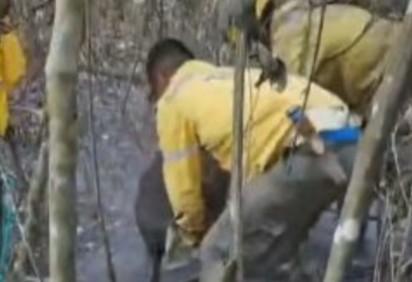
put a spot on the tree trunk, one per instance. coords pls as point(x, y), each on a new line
point(390, 97)
point(61, 77)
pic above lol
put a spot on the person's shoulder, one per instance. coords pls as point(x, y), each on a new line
point(196, 66)
point(342, 10)
point(218, 73)
point(298, 84)
point(194, 76)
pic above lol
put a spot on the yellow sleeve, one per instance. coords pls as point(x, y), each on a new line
point(14, 60)
point(12, 68)
point(181, 168)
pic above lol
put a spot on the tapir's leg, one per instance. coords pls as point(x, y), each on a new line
point(156, 264)
point(153, 213)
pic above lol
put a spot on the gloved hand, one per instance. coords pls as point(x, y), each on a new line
point(239, 14)
point(273, 68)
point(333, 168)
point(181, 247)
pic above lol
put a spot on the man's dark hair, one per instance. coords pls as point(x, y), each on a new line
point(167, 54)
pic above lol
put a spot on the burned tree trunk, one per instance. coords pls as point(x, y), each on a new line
point(61, 77)
point(390, 97)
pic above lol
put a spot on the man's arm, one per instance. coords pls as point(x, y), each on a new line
point(182, 171)
point(14, 60)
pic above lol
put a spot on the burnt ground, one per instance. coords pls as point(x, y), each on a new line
point(121, 160)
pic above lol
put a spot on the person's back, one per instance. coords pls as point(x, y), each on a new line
point(203, 95)
point(353, 48)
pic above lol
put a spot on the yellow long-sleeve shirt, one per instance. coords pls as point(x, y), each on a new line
point(196, 111)
point(12, 68)
point(352, 53)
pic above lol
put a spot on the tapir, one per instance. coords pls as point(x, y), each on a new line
point(153, 211)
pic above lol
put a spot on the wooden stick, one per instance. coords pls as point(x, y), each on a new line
point(235, 203)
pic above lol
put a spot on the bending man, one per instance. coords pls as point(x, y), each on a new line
point(194, 110)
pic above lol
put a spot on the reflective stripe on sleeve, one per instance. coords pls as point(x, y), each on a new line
point(180, 155)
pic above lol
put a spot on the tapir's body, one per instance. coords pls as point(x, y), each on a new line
point(153, 211)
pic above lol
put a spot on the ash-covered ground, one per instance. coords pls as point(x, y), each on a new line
point(124, 151)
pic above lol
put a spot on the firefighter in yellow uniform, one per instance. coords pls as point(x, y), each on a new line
point(194, 111)
point(12, 64)
point(353, 48)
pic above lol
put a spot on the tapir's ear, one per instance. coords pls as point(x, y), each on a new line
point(281, 76)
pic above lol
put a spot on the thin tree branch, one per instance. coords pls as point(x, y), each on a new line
point(95, 164)
point(236, 184)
